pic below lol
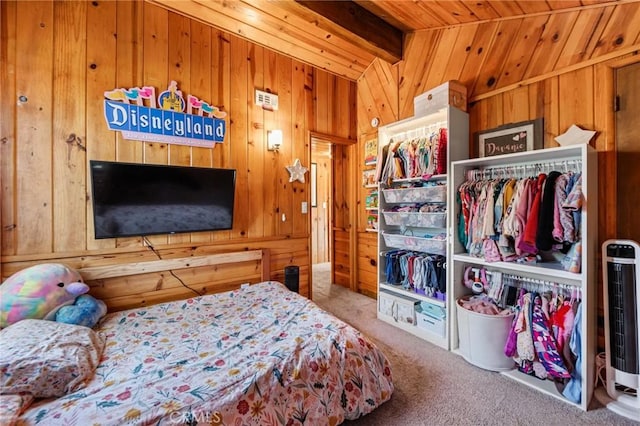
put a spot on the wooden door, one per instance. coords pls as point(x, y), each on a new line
point(628, 152)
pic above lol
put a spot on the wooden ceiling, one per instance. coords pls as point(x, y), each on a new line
point(346, 37)
point(422, 15)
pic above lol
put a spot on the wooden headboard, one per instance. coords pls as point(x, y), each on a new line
point(129, 285)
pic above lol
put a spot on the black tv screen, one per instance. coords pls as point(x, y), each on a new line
point(144, 199)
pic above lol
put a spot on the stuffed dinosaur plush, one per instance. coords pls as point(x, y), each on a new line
point(38, 292)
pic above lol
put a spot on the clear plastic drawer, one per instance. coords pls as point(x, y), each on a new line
point(425, 220)
point(437, 193)
point(407, 242)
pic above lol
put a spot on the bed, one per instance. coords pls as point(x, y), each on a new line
point(258, 355)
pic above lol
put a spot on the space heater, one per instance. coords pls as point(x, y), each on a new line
point(621, 283)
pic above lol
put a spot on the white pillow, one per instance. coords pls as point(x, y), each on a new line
point(47, 358)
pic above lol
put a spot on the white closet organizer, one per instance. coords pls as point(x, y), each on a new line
point(407, 307)
point(576, 158)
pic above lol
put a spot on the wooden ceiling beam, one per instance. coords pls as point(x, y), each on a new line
point(374, 34)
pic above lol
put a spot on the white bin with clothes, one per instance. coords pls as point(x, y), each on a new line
point(482, 337)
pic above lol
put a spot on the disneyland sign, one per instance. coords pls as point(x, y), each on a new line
point(134, 113)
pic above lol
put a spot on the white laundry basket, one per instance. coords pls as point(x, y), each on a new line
point(482, 338)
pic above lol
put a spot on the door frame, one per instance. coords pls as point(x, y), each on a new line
point(607, 147)
point(351, 199)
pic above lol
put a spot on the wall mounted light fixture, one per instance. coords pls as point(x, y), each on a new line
point(274, 140)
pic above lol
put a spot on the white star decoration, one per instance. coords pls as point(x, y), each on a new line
point(575, 135)
point(297, 171)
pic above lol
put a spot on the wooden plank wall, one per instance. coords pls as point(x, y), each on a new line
point(57, 60)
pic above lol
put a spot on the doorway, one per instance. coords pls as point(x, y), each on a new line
point(628, 151)
point(320, 184)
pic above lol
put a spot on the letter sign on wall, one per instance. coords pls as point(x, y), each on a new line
point(134, 113)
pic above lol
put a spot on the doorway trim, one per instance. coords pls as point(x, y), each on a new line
point(351, 197)
point(605, 75)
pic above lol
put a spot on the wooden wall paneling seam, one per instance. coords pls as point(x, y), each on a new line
point(506, 8)
point(580, 44)
point(453, 13)
point(8, 148)
point(523, 52)
point(515, 105)
point(179, 69)
point(495, 111)
point(414, 69)
point(222, 74)
point(536, 6)
point(367, 101)
point(576, 95)
point(460, 53)
point(479, 50)
point(341, 111)
point(34, 197)
point(500, 48)
point(238, 129)
point(551, 111)
point(321, 110)
point(536, 100)
point(296, 149)
point(353, 218)
point(385, 101)
point(481, 9)
point(605, 143)
point(598, 31)
point(261, 164)
point(442, 53)
point(299, 139)
point(274, 174)
point(156, 73)
point(330, 102)
point(552, 42)
point(129, 73)
point(222, 156)
point(621, 30)
point(203, 71)
point(68, 136)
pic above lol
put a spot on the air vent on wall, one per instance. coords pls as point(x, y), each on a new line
point(266, 100)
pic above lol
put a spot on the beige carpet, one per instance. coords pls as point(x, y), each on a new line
point(437, 387)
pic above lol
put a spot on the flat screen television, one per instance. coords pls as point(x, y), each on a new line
point(145, 199)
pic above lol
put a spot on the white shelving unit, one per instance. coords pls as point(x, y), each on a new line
point(396, 305)
point(578, 158)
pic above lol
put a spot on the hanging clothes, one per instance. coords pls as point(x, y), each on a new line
point(514, 219)
point(415, 157)
point(417, 272)
point(573, 390)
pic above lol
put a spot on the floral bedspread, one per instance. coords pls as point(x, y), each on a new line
point(260, 355)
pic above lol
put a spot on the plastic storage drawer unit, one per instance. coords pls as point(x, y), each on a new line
point(400, 308)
